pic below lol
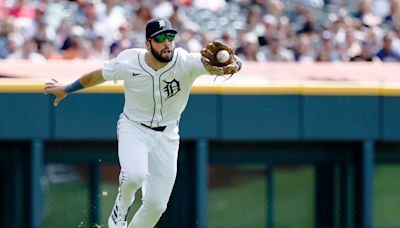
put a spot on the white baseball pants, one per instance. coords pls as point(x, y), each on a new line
point(148, 159)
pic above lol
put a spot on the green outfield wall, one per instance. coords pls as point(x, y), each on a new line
point(341, 129)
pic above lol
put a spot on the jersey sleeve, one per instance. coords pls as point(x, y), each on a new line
point(116, 69)
point(198, 67)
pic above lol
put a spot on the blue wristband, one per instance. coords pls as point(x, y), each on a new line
point(76, 85)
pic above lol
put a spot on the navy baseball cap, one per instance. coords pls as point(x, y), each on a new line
point(157, 26)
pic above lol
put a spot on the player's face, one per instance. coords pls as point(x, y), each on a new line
point(162, 46)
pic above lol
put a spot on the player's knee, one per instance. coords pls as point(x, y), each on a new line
point(156, 207)
point(135, 178)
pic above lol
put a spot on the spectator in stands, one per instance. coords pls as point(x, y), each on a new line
point(205, 38)
point(365, 13)
point(71, 44)
point(327, 50)
point(63, 35)
point(4, 52)
point(393, 18)
point(121, 26)
point(6, 29)
point(351, 48)
point(91, 26)
point(364, 8)
point(138, 23)
point(85, 50)
point(275, 52)
point(309, 25)
point(30, 51)
point(303, 49)
point(49, 51)
point(212, 5)
point(254, 20)
point(123, 42)
point(22, 9)
point(187, 41)
point(24, 15)
point(387, 54)
point(99, 49)
point(285, 31)
point(373, 37)
point(178, 19)
point(227, 38)
point(55, 11)
point(366, 54)
point(249, 49)
point(396, 40)
point(14, 47)
point(3, 10)
point(270, 28)
point(43, 32)
point(112, 17)
point(318, 4)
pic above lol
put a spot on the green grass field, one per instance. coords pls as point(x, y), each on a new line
point(245, 205)
point(387, 196)
point(240, 205)
point(67, 205)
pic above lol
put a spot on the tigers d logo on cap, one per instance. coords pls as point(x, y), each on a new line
point(157, 26)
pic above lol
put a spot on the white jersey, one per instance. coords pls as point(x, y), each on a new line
point(155, 98)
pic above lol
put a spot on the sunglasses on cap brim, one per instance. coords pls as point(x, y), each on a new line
point(160, 38)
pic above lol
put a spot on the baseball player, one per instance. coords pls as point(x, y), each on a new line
point(157, 84)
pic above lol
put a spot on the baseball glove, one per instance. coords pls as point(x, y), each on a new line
point(213, 66)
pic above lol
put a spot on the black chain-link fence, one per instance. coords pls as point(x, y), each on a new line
point(67, 195)
point(247, 196)
point(240, 196)
point(387, 196)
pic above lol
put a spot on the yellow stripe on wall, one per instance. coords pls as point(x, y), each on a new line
point(9, 88)
point(358, 91)
point(25, 86)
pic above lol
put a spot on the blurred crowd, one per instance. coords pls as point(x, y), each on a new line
point(258, 30)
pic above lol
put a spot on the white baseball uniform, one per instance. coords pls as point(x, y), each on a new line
point(148, 157)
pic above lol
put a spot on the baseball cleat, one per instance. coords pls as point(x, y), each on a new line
point(117, 218)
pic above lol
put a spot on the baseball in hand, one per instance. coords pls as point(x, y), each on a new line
point(223, 56)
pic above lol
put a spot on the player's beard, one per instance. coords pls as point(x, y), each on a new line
point(159, 57)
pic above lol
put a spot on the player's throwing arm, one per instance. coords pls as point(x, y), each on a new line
point(60, 91)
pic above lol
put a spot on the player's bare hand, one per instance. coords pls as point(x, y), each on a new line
point(55, 89)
